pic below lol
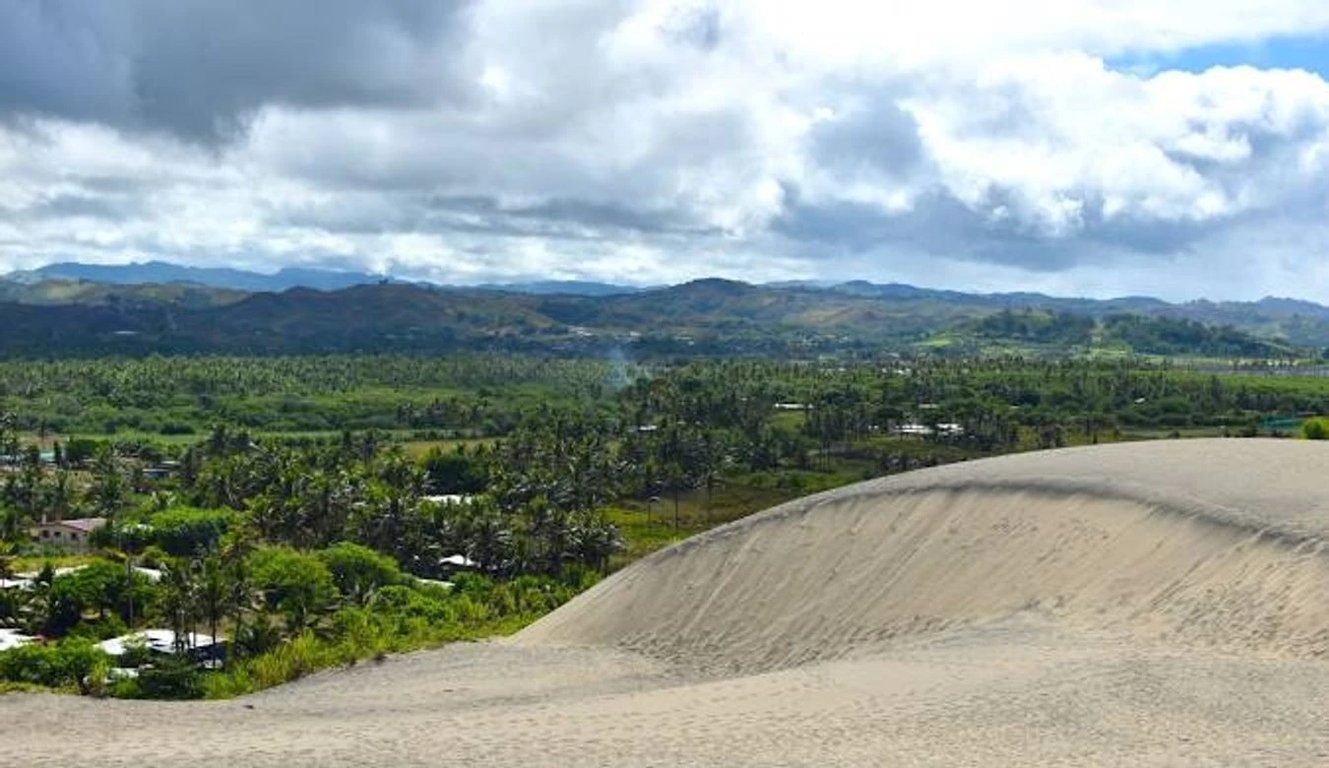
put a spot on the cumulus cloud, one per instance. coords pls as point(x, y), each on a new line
point(977, 145)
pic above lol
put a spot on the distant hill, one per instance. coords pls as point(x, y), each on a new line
point(161, 272)
point(165, 273)
point(83, 292)
point(561, 287)
point(1042, 330)
point(702, 317)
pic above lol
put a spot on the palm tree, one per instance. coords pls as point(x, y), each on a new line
point(179, 600)
point(214, 592)
point(235, 551)
point(7, 559)
point(11, 600)
point(108, 491)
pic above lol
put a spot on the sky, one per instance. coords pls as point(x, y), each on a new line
point(1176, 149)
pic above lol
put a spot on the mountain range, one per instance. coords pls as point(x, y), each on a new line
point(165, 273)
point(161, 307)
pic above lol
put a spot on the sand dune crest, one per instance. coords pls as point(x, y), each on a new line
point(842, 573)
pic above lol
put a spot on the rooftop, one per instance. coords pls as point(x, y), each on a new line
point(83, 524)
point(12, 638)
point(158, 640)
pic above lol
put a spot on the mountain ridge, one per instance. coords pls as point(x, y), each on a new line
point(156, 272)
point(163, 272)
point(704, 316)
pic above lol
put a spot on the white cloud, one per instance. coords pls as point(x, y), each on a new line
point(983, 145)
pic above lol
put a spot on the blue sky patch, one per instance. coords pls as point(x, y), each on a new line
point(1310, 53)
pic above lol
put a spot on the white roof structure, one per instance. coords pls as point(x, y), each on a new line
point(25, 580)
point(157, 640)
point(945, 428)
point(449, 498)
point(80, 524)
point(461, 561)
point(436, 583)
point(12, 638)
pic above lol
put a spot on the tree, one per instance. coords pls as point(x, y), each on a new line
point(7, 555)
point(485, 535)
point(70, 662)
point(214, 593)
point(186, 532)
point(359, 571)
point(179, 585)
point(236, 548)
point(12, 601)
point(56, 605)
point(109, 587)
point(8, 435)
point(594, 539)
point(297, 584)
point(108, 493)
point(454, 471)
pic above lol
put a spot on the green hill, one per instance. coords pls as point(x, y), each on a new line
point(703, 317)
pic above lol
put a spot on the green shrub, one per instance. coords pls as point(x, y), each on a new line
point(1315, 429)
point(297, 584)
point(75, 663)
point(360, 634)
point(170, 677)
point(188, 532)
point(404, 601)
point(225, 685)
point(125, 688)
point(358, 571)
point(256, 637)
point(293, 660)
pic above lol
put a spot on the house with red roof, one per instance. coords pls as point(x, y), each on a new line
point(72, 535)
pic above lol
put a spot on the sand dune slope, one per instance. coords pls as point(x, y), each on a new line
point(1145, 604)
point(1127, 537)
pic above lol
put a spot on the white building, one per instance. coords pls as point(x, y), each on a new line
point(12, 638)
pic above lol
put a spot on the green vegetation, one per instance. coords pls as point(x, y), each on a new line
point(74, 664)
point(301, 397)
point(1315, 429)
point(501, 488)
point(1056, 332)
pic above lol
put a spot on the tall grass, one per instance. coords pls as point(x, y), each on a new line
point(400, 620)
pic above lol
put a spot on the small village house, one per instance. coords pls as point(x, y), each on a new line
point(67, 534)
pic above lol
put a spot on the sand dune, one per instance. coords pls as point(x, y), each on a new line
point(1163, 603)
point(1126, 536)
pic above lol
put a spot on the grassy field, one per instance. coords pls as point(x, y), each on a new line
point(647, 526)
point(419, 448)
point(34, 563)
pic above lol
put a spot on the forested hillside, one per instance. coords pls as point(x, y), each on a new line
point(702, 318)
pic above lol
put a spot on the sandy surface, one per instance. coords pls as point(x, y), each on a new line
point(1156, 604)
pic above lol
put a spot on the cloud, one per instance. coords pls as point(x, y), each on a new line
point(657, 140)
point(202, 68)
